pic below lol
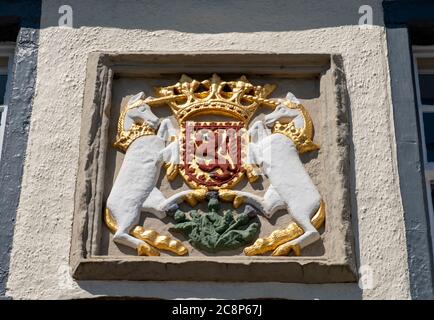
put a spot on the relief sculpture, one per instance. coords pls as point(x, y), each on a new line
point(212, 157)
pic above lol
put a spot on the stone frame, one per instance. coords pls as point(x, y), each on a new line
point(336, 266)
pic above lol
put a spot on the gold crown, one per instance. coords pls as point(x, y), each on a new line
point(238, 99)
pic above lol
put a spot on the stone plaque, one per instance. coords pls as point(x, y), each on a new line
point(221, 167)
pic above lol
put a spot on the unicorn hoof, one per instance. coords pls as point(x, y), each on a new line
point(257, 248)
point(286, 248)
point(145, 249)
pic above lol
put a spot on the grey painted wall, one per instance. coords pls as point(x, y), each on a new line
point(23, 81)
point(398, 16)
point(409, 165)
point(15, 142)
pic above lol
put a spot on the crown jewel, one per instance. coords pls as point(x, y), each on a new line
point(238, 99)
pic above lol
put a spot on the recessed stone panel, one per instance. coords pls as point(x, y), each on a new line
point(318, 81)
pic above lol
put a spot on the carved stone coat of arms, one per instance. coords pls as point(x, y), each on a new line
point(214, 146)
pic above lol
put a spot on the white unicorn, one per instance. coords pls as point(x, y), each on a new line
point(134, 188)
point(290, 188)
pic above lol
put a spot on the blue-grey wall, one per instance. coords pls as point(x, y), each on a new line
point(400, 18)
point(19, 21)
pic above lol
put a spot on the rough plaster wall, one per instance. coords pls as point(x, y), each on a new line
point(39, 262)
point(15, 141)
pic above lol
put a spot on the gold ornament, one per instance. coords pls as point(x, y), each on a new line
point(151, 237)
point(230, 196)
point(237, 99)
point(279, 240)
point(195, 196)
point(125, 137)
point(302, 137)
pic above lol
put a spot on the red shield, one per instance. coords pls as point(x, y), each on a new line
point(212, 154)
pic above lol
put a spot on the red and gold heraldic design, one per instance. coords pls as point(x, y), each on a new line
point(212, 153)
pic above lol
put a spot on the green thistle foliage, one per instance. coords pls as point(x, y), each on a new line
point(212, 232)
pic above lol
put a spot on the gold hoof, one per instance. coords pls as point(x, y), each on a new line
point(159, 241)
point(260, 246)
point(231, 196)
point(195, 196)
point(252, 172)
point(286, 248)
point(150, 237)
point(146, 250)
point(171, 171)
